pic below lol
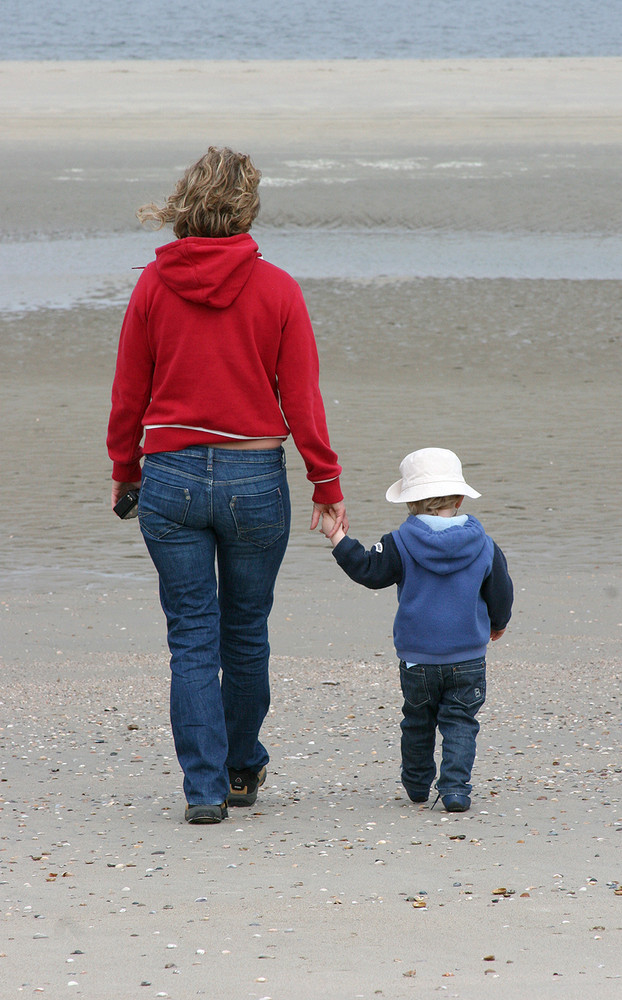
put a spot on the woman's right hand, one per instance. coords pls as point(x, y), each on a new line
point(335, 510)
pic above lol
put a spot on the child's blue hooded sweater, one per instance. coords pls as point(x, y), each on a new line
point(452, 585)
point(442, 616)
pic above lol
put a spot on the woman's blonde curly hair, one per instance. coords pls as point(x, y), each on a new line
point(217, 196)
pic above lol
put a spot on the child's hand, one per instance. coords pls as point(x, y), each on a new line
point(328, 523)
point(328, 529)
point(336, 510)
point(496, 633)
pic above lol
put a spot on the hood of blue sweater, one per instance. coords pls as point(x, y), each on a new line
point(442, 552)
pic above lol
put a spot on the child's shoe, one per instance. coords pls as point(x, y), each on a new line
point(418, 795)
point(455, 803)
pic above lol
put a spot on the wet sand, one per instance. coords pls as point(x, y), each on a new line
point(318, 883)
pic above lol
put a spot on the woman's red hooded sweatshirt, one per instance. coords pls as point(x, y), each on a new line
point(217, 345)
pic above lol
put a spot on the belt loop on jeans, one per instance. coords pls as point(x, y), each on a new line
point(282, 457)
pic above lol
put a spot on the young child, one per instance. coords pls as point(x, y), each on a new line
point(454, 594)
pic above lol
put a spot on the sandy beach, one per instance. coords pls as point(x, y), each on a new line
point(333, 885)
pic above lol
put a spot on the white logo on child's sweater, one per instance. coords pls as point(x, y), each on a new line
point(378, 547)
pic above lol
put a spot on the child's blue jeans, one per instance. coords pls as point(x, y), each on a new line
point(447, 696)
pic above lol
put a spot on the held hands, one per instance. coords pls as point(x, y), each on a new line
point(496, 633)
point(337, 514)
point(331, 529)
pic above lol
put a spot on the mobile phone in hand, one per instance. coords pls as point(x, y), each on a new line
point(127, 506)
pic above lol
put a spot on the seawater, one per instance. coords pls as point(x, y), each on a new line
point(59, 273)
point(303, 29)
point(102, 270)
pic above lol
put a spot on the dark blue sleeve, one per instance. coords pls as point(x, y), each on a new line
point(498, 592)
point(380, 567)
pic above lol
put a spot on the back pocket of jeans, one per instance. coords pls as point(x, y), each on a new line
point(414, 685)
point(259, 518)
point(469, 685)
point(162, 508)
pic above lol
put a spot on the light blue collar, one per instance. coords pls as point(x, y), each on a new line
point(437, 523)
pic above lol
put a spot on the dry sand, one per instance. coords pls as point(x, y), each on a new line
point(333, 885)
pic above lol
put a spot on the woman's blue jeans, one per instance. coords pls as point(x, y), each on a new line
point(447, 696)
point(216, 524)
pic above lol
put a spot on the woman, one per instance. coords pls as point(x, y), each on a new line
point(217, 364)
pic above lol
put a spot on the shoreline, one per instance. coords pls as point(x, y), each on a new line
point(580, 92)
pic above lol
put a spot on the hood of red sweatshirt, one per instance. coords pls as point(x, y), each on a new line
point(212, 272)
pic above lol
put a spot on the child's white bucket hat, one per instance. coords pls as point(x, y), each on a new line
point(430, 472)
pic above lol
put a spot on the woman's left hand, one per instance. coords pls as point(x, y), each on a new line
point(119, 490)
